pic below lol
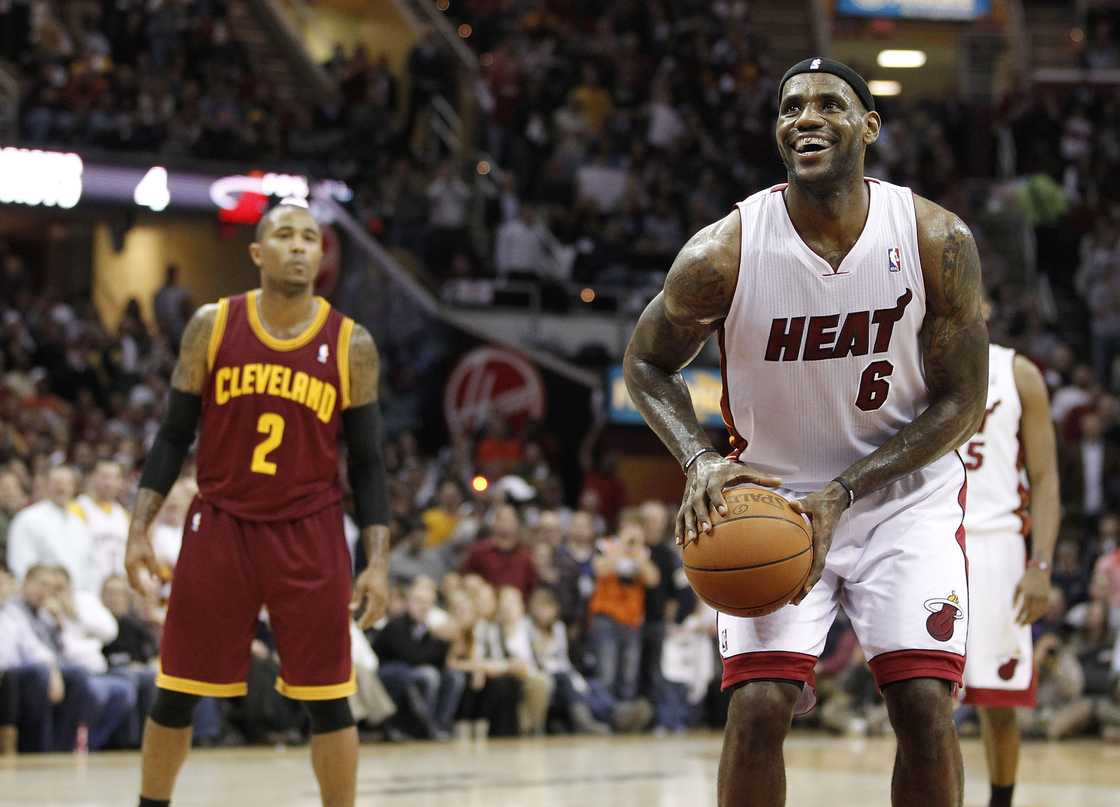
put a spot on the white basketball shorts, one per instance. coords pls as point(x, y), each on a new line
point(897, 565)
point(1000, 668)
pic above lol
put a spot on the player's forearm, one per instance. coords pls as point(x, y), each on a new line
point(144, 511)
point(940, 429)
point(1046, 516)
point(663, 399)
point(375, 542)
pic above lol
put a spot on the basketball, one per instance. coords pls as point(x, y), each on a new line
point(755, 559)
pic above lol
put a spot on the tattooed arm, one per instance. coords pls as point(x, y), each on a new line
point(174, 438)
point(954, 351)
point(955, 355)
point(671, 331)
point(362, 427)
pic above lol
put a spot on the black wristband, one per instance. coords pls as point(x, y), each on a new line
point(173, 441)
point(851, 493)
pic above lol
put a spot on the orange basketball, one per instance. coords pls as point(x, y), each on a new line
point(755, 559)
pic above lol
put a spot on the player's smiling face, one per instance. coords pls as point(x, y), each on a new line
point(289, 250)
point(823, 129)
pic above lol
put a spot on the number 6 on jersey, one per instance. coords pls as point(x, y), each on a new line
point(272, 425)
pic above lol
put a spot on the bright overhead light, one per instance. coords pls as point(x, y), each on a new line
point(901, 58)
point(884, 87)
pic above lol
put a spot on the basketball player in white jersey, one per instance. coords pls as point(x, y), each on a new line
point(1007, 590)
point(855, 362)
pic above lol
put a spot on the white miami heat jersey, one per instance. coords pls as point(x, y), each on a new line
point(997, 483)
point(822, 367)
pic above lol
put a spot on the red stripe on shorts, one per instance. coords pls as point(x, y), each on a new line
point(769, 664)
point(903, 665)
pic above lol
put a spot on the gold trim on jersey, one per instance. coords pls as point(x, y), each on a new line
point(192, 687)
point(251, 307)
point(329, 692)
point(343, 356)
point(217, 333)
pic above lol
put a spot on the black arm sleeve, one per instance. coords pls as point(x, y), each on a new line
point(173, 441)
point(362, 428)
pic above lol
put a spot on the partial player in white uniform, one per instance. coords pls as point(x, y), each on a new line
point(1012, 494)
point(855, 363)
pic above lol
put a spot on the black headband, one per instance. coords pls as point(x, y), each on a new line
point(822, 65)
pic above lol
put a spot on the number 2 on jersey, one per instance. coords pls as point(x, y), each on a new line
point(271, 425)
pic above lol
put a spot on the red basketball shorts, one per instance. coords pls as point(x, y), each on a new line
point(228, 569)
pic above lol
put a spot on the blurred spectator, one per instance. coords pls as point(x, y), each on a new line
point(54, 696)
point(623, 572)
point(12, 500)
point(525, 247)
point(1062, 709)
point(576, 570)
point(661, 599)
point(172, 307)
point(1070, 575)
point(490, 700)
point(83, 626)
point(410, 559)
point(49, 533)
point(105, 519)
point(498, 452)
point(413, 665)
point(1090, 471)
point(517, 640)
point(441, 519)
point(131, 655)
point(502, 559)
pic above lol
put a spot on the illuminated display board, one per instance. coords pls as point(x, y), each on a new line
point(916, 9)
point(64, 180)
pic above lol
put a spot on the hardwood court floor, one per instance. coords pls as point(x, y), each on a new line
point(588, 772)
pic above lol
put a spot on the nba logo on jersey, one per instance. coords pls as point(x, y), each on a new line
point(815, 64)
point(894, 260)
point(324, 352)
point(195, 521)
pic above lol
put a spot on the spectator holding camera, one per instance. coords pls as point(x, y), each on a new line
point(623, 572)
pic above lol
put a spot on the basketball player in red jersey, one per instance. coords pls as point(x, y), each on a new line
point(278, 377)
point(855, 362)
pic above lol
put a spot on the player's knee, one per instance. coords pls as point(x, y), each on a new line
point(173, 710)
point(919, 708)
point(760, 713)
point(328, 716)
point(1000, 719)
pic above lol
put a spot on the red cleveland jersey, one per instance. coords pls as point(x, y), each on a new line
point(268, 446)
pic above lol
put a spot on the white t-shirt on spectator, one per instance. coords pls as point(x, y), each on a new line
point(108, 527)
point(1092, 460)
point(85, 636)
point(44, 533)
point(602, 184)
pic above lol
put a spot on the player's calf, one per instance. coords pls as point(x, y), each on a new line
point(752, 767)
point(928, 768)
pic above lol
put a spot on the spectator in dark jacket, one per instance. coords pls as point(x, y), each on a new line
point(413, 665)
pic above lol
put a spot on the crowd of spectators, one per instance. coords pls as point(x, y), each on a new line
point(617, 135)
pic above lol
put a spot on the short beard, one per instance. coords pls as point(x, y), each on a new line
point(844, 168)
point(288, 288)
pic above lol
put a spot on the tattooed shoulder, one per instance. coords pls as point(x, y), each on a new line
point(701, 281)
point(950, 262)
point(190, 370)
point(365, 364)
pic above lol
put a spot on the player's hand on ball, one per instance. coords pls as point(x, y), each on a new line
point(703, 496)
point(1032, 596)
point(140, 561)
point(372, 586)
point(823, 509)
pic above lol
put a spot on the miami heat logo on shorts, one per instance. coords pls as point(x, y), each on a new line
point(1007, 669)
point(943, 613)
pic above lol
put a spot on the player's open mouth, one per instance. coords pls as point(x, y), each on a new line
point(811, 145)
